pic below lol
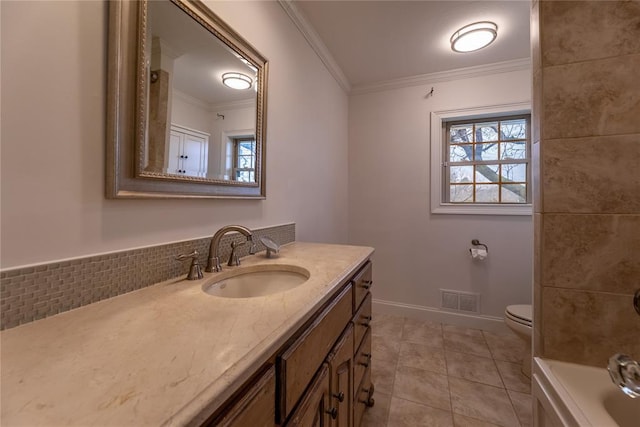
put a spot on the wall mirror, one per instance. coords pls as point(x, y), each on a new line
point(186, 104)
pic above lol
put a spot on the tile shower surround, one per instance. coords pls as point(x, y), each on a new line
point(35, 292)
point(586, 133)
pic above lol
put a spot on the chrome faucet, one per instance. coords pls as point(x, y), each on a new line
point(625, 373)
point(213, 261)
point(623, 370)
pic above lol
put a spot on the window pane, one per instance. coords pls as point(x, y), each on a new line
point(245, 150)
point(514, 129)
point(513, 150)
point(487, 193)
point(461, 193)
point(486, 132)
point(486, 151)
point(459, 134)
point(514, 172)
point(487, 173)
point(460, 153)
point(243, 163)
point(460, 174)
point(514, 193)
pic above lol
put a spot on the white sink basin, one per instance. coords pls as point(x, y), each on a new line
point(256, 281)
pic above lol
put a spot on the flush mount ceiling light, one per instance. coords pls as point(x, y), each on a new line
point(236, 81)
point(474, 36)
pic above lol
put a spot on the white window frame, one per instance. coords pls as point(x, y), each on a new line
point(438, 206)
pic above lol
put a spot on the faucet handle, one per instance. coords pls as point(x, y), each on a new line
point(625, 373)
point(234, 259)
point(195, 272)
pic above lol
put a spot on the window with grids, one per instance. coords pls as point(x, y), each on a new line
point(244, 159)
point(488, 161)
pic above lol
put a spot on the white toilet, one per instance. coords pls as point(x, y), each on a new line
point(519, 318)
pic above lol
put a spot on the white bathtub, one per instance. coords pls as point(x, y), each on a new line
point(570, 395)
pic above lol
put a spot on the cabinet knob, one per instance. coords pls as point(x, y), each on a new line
point(366, 363)
point(367, 321)
point(339, 396)
point(367, 284)
point(333, 412)
point(186, 157)
point(181, 156)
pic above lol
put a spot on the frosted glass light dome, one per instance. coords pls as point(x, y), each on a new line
point(474, 36)
point(237, 80)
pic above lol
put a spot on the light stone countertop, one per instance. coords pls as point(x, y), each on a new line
point(168, 354)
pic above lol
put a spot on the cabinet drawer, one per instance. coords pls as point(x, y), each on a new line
point(298, 364)
point(255, 407)
point(362, 358)
point(362, 398)
point(361, 284)
point(362, 320)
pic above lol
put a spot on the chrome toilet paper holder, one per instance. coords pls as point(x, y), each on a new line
point(476, 242)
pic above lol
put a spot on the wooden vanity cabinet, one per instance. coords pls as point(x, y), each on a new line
point(322, 375)
point(298, 364)
point(340, 362)
point(254, 407)
point(313, 410)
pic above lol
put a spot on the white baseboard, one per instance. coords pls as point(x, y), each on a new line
point(419, 312)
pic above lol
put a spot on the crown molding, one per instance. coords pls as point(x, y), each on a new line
point(316, 43)
point(184, 97)
point(445, 76)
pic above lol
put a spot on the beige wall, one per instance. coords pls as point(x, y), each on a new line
point(418, 252)
point(53, 139)
point(586, 59)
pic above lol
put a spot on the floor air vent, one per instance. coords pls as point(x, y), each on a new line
point(460, 301)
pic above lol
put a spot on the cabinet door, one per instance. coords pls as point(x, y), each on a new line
point(194, 156)
point(256, 407)
point(313, 410)
point(341, 372)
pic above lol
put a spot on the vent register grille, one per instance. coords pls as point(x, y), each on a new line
point(467, 302)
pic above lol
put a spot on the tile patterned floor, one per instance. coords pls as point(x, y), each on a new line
point(435, 375)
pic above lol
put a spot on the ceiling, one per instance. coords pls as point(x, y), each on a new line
point(379, 41)
point(199, 59)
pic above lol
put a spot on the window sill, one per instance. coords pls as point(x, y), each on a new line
point(479, 209)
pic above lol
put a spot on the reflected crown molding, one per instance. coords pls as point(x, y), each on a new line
point(316, 43)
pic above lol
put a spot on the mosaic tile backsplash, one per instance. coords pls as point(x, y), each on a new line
point(35, 292)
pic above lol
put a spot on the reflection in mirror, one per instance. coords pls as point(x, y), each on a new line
point(186, 109)
point(198, 125)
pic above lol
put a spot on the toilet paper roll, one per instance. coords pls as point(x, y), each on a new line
point(478, 254)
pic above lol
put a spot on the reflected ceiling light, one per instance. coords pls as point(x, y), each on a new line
point(236, 81)
point(474, 36)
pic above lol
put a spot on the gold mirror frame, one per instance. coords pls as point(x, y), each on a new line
point(127, 109)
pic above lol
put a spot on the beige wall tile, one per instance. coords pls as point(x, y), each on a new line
point(537, 287)
point(585, 30)
point(591, 98)
point(592, 175)
point(595, 252)
point(536, 175)
point(588, 327)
